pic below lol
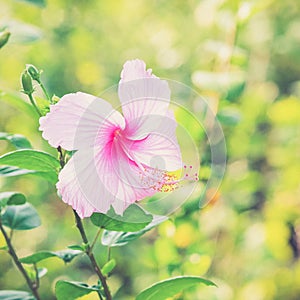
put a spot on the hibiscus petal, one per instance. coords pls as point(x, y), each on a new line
point(131, 187)
point(160, 148)
point(81, 186)
point(141, 95)
point(135, 69)
point(75, 120)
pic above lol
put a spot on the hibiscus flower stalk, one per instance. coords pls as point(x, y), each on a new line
point(90, 254)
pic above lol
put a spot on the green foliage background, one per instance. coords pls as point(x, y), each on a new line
point(248, 238)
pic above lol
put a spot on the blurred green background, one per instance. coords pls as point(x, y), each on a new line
point(244, 58)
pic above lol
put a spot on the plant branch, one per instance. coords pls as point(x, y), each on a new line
point(91, 256)
point(45, 91)
point(32, 285)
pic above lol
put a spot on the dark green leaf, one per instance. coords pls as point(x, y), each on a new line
point(30, 162)
point(15, 295)
point(65, 255)
point(72, 290)
point(11, 198)
point(108, 267)
point(40, 3)
point(21, 217)
point(77, 247)
point(18, 140)
point(115, 238)
point(235, 91)
point(133, 219)
point(170, 287)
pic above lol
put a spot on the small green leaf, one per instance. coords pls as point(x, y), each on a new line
point(43, 105)
point(108, 267)
point(21, 217)
point(115, 238)
point(11, 198)
point(66, 255)
point(72, 289)
point(15, 295)
point(18, 140)
point(133, 219)
point(170, 287)
point(40, 3)
point(77, 247)
point(4, 248)
point(30, 162)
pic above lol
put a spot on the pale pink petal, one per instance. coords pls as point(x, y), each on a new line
point(80, 186)
point(135, 69)
point(75, 120)
point(131, 187)
point(159, 149)
point(141, 97)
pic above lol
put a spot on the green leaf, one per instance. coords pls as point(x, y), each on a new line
point(21, 217)
point(108, 267)
point(11, 198)
point(40, 3)
point(17, 102)
point(115, 238)
point(170, 287)
point(43, 105)
point(72, 289)
point(66, 255)
point(133, 219)
point(18, 140)
point(77, 247)
point(15, 295)
point(30, 162)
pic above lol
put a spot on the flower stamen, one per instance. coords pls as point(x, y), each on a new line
point(164, 181)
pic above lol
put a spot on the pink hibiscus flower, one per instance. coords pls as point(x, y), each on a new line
point(120, 159)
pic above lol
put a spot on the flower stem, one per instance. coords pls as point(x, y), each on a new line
point(45, 91)
point(32, 285)
point(91, 256)
point(33, 104)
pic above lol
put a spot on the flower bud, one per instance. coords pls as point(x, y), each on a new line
point(26, 83)
point(34, 73)
point(4, 36)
